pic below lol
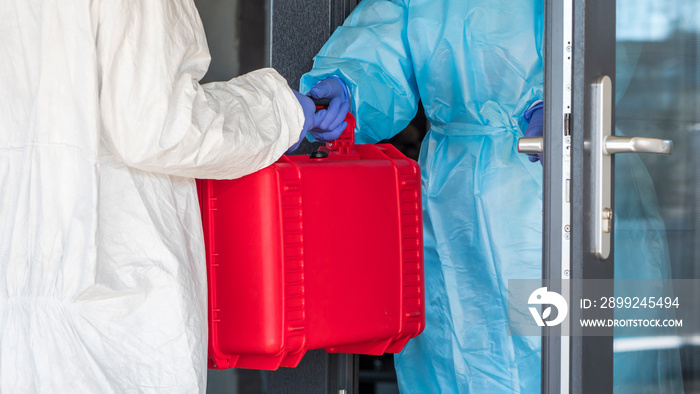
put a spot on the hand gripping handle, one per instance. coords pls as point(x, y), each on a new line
point(346, 141)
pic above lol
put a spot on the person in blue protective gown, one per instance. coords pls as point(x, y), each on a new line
point(477, 68)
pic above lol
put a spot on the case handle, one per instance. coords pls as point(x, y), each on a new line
point(346, 141)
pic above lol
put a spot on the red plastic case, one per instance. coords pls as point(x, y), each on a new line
point(314, 253)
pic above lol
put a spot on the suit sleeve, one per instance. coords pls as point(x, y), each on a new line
point(155, 116)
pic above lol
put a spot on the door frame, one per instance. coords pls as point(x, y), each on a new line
point(556, 240)
point(579, 48)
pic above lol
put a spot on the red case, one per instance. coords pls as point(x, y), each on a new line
point(314, 253)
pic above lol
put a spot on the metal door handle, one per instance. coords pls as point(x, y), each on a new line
point(530, 145)
point(603, 146)
point(614, 144)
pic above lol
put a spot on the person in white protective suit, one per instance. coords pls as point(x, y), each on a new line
point(103, 126)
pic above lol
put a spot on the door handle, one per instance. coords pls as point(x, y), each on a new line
point(603, 146)
point(614, 144)
point(530, 145)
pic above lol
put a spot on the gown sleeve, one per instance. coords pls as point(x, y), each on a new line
point(371, 54)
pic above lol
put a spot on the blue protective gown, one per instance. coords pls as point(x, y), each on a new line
point(477, 67)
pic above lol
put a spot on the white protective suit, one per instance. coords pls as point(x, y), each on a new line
point(103, 125)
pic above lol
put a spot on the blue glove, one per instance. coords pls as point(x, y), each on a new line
point(534, 128)
point(330, 123)
point(309, 112)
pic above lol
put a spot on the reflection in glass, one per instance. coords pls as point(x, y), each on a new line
point(237, 35)
point(657, 205)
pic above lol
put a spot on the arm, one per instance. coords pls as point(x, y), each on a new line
point(155, 116)
point(370, 53)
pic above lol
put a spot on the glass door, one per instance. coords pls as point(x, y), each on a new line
point(634, 206)
point(657, 197)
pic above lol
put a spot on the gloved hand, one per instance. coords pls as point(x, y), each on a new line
point(309, 112)
point(534, 128)
point(330, 123)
